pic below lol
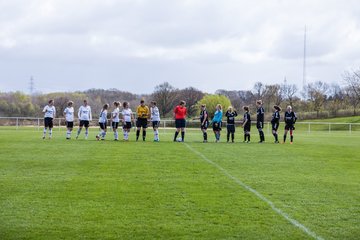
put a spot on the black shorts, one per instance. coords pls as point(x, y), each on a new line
point(69, 124)
point(216, 126)
point(102, 125)
point(289, 126)
point(180, 123)
point(155, 124)
point(274, 126)
point(247, 127)
point(205, 125)
point(115, 125)
point(127, 125)
point(259, 125)
point(48, 122)
point(230, 128)
point(141, 122)
point(84, 123)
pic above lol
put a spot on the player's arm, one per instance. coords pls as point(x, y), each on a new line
point(45, 109)
point(138, 113)
point(148, 115)
point(152, 112)
point(90, 115)
point(205, 117)
point(174, 113)
point(122, 117)
point(79, 113)
point(245, 121)
point(196, 118)
point(215, 118)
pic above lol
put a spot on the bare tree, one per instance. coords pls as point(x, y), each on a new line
point(165, 95)
point(273, 95)
point(232, 95)
point(191, 96)
point(352, 79)
point(259, 90)
point(238, 98)
point(289, 91)
point(317, 95)
point(352, 98)
point(336, 98)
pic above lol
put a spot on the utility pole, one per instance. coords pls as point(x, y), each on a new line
point(31, 86)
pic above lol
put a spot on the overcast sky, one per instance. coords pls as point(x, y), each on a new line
point(134, 45)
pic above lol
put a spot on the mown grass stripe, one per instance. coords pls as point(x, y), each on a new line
point(259, 195)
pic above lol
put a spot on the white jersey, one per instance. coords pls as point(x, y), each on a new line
point(115, 115)
point(127, 114)
point(84, 113)
point(155, 114)
point(69, 114)
point(103, 116)
point(49, 111)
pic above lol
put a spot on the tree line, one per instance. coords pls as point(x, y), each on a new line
point(315, 100)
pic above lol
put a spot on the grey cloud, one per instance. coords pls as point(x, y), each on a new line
point(201, 43)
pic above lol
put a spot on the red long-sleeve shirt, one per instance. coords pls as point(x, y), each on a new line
point(180, 112)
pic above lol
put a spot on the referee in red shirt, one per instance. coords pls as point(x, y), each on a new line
point(180, 122)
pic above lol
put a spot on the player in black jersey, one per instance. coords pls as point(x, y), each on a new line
point(246, 125)
point(260, 120)
point(290, 119)
point(230, 123)
point(204, 121)
point(275, 122)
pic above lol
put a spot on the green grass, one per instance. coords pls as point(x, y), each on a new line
point(354, 119)
point(78, 189)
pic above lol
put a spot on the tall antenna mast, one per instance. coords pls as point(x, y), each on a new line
point(31, 85)
point(304, 63)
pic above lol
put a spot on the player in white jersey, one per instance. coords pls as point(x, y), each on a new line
point(155, 119)
point(115, 119)
point(49, 114)
point(103, 123)
point(128, 118)
point(69, 118)
point(85, 118)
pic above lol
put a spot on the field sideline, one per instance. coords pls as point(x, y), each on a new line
point(88, 189)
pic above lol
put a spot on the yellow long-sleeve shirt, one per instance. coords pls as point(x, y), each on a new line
point(143, 111)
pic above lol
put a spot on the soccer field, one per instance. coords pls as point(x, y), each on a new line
point(88, 189)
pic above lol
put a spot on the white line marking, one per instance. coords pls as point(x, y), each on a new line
point(259, 195)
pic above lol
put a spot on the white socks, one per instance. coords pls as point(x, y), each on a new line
point(68, 134)
point(156, 135)
point(50, 133)
point(126, 135)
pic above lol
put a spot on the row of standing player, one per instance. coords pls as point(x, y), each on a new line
point(289, 119)
point(180, 113)
point(144, 115)
point(85, 117)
